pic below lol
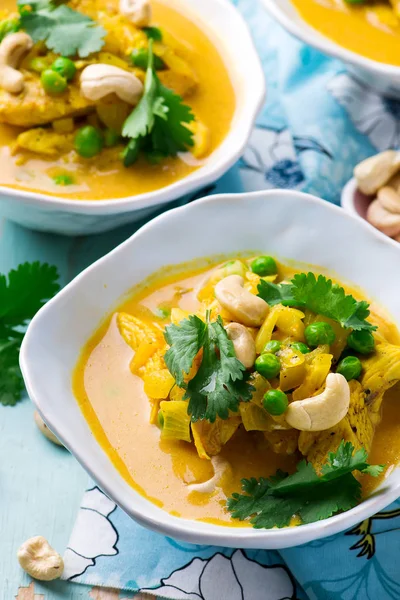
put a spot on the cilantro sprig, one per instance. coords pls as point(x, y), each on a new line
point(156, 126)
point(321, 296)
point(21, 295)
point(64, 30)
point(311, 497)
point(220, 383)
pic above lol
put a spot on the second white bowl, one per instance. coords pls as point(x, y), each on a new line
point(383, 77)
point(225, 26)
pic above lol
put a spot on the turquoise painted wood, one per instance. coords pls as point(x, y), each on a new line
point(41, 485)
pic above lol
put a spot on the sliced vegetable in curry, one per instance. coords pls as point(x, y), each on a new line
point(102, 87)
point(256, 373)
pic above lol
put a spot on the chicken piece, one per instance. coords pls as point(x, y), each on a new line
point(209, 437)
point(44, 141)
point(283, 441)
point(33, 107)
point(357, 427)
point(135, 331)
point(381, 371)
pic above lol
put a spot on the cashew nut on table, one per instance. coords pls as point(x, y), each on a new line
point(40, 560)
point(379, 176)
point(13, 48)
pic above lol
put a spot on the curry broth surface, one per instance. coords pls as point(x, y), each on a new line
point(370, 29)
point(213, 103)
point(113, 402)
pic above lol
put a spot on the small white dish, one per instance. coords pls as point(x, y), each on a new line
point(383, 77)
point(286, 224)
point(81, 217)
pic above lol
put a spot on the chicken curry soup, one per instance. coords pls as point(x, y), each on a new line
point(369, 28)
point(133, 103)
point(204, 380)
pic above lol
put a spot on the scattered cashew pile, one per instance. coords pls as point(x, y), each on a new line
point(379, 176)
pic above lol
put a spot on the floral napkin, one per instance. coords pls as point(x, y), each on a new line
point(318, 122)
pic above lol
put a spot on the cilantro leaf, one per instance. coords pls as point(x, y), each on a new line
point(185, 341)
point(27, 289)
point(21, 296)
point(64, 30)
point(321, 296)
point(220, 383)
point(273, 293)
point(311, 497)
point(157, 124)
point(11, 382)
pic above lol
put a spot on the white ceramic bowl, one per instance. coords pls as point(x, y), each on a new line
point(286, 224)
point(383, 77)
point(225, 26)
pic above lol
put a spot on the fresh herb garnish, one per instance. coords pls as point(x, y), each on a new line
point(321, 296)
point(305, 494)
point(64, 30)
point(220, 383)
point(27, 289)
point(156, 126)
point(153, 33)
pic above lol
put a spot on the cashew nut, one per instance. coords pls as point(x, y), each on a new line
point(12, 50)
point(323, 411)
point(45, 430)
point(220, 466)
point(100, 80)
point(139, 12)
point(384, 220)
point(390, 199)
point(374, 172)
point(40, 560)
point(243, 343)
point(242, 304)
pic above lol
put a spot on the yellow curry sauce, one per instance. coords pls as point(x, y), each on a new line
point(371, 29)
point(118, 411)
point(104, 176)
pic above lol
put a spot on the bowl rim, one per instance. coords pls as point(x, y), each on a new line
point(168, 524)
point(326, 45)
point(234, 142)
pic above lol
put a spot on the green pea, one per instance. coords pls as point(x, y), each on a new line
point(53, 83)
point(361, 341)
point(160, 419)
point(273, 346)
point(9, 26)
point(88, 141)
point(318, 333)
point(111, 138)
point(268, 365)
point(350, 367)
point(38, 64)
point(275, 402)
point(153, 33)
point(264, 265)
point(140, 59)
point(63, 180)
point(301, 347)
point(64, 67)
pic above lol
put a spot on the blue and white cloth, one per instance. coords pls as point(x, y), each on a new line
point(318, 122)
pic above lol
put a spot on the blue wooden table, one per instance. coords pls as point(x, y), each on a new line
point(41, 484)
